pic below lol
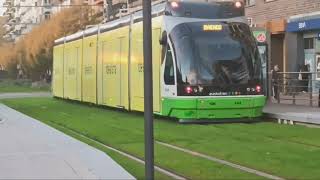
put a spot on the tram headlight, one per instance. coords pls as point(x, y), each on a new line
point(258, 89)
point(238, 4)
point(174, 4)
point(188, 90)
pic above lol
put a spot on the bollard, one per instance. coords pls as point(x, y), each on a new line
point(279, 121)
point(311, 98)
point(278, 93)
point(276, 89)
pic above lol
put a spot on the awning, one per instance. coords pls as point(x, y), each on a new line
point(304, 22)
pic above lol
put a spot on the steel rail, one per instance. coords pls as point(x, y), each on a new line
point(132, 157)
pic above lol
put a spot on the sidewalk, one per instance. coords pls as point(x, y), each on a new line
point(24, 95)
point(30, 149)
point(304, 114)
point(302, 99)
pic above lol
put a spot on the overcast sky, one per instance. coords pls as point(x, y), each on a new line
point(1, 8)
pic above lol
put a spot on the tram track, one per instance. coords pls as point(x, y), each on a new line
point(271, 138)
point(169, 172)
point(221, 161)
point(162, 170)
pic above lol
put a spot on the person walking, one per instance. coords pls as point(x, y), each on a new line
point(275, 82)
point(305, 78)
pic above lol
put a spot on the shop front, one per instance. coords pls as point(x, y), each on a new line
point(306, 28)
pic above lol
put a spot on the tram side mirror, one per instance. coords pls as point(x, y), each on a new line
point(167, 13)
point(163, 40)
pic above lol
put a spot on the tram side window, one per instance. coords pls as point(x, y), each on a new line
point(169, 68)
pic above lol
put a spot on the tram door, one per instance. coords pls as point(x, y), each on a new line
point(112, 56)
point(156, 56)
point(66, 81)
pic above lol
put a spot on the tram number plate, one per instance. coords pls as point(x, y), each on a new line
point(218, 94)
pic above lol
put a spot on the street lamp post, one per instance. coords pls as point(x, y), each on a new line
point(148, 91)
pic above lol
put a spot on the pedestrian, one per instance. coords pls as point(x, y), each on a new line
point(275, 82)
point(305, 78)
point(20, 74)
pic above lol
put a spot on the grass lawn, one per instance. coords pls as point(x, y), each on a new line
point(12, 86)
point(288, 151)
point(133, 167)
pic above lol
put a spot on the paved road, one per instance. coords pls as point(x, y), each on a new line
point(24, 95)
point(304, 114)
point(30, 149)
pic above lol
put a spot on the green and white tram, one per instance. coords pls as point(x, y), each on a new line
point(206, 65)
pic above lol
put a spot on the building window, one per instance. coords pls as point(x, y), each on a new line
point(250, 2)
point(250, 21)
point(46, 1)
point(309, 43)
point(47, 15)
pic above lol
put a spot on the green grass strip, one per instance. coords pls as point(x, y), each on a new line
point(287, 151)
point(133, 167)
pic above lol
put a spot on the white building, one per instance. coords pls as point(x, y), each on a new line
point(26, 14)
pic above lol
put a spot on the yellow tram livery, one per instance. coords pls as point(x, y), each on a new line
point(206, 65)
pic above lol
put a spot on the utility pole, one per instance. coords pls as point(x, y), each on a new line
point(148, 91)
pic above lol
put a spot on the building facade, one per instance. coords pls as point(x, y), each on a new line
point(303, 32)
point(294, 38)
point(294, 28)
point(24, 15)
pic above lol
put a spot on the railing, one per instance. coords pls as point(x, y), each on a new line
point(298, 88)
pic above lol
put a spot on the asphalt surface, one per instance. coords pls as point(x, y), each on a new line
point(30, 149)
point(303, 114)
point(24, 95)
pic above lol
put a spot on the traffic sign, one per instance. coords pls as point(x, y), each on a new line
point(261, 36)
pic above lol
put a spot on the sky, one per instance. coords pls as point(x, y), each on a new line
point(1, 8)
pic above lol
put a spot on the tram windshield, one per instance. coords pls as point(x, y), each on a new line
point(211, 53)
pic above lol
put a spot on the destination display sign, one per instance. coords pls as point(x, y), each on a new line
point(212, 27)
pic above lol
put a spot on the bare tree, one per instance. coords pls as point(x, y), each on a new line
point(34, 50)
